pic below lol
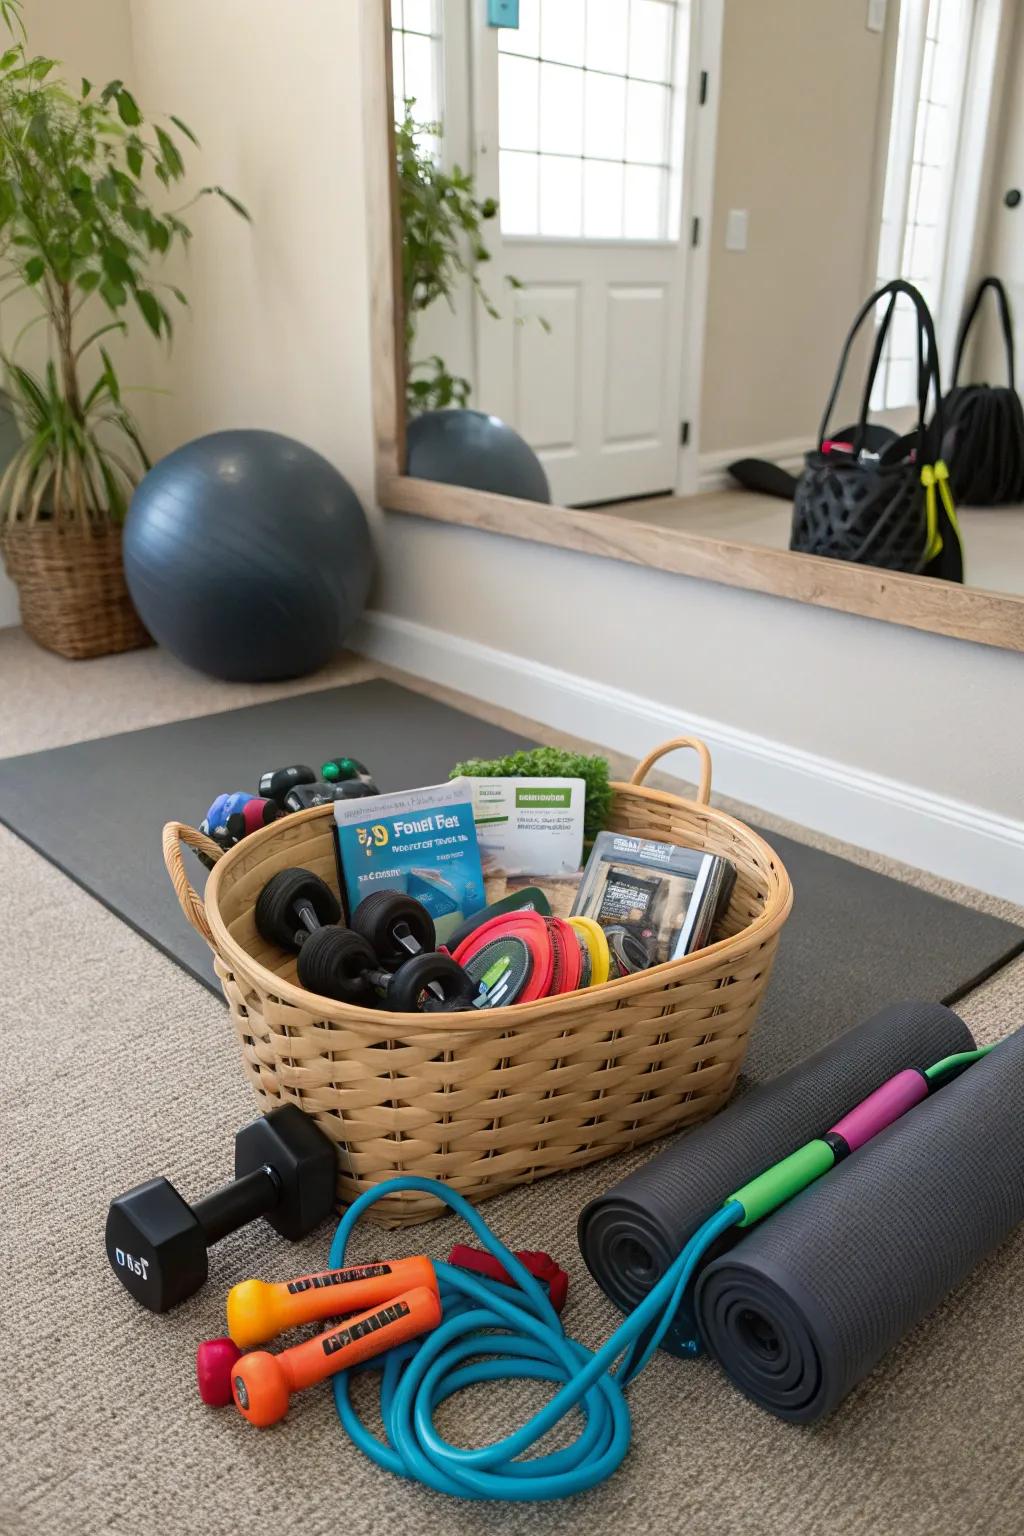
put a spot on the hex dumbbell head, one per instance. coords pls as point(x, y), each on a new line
point(155, 1245)
point(276, 782)
point(304, 1163)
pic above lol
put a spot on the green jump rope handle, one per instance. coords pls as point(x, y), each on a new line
point(783, 1180)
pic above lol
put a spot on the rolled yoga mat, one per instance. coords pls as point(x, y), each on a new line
point(812, 1298)
point(630, 1235)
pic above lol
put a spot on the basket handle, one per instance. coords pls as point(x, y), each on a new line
point(695, 744)
point(176, 833)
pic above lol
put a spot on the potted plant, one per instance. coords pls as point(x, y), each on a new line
point(80, 232)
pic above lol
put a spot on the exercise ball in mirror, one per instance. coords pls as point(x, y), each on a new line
point(470, 448)
point(248, 556)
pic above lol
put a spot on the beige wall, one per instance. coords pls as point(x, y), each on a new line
point(1004, 245)
point(801, 90)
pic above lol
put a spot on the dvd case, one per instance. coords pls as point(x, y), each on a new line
point(665, 897)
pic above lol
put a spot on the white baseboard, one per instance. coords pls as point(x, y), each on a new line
point(932, 832)
point(712, 468)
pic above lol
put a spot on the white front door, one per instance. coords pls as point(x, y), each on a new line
point(578, 131)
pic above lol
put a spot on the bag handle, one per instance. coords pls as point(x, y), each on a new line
point(927, 352)
point(176, 833)
point(1004, 319)
point(695, 744)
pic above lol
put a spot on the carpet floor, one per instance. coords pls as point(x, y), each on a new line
point(118, 1066)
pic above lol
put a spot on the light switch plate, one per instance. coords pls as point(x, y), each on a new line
point(876, 15)
point(736, 230)
point(503, 13)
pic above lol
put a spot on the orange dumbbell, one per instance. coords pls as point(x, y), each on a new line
point(258, 1311)
point(261, 1383)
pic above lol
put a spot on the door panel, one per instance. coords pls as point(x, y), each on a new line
point(634, 367)
point(545, 366)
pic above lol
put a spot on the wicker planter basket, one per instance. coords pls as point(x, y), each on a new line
point(487, 1101)
point(70, 580)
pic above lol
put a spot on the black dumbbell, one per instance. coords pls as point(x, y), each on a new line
point(297, 910)
point(276, 782)
point(341, 964)
point(304, 796)
point(285, 1170)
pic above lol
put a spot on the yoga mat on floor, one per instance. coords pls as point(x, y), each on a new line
point(811, 1299)
point(630, 1235)
point(855, 939)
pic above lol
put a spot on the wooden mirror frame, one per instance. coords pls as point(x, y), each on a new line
point(920, 602)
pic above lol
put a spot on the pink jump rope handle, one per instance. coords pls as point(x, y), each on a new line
point(881, 1108)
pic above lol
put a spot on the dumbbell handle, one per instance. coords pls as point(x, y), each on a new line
point(229, 1208)
point(258, 1311)
point(262, 1383)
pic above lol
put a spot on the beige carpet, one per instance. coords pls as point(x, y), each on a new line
point(117, 1066)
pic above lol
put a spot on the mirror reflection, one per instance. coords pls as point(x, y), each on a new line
point(637, 235)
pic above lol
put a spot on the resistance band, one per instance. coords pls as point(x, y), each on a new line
point(465, 1350)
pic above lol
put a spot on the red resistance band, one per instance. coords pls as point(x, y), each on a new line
point(540, 1265)
point(553, 949)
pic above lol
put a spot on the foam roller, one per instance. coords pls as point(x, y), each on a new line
point(629, 1236)
point(808, 1303)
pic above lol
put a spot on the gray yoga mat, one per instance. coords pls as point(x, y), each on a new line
point(855, 939)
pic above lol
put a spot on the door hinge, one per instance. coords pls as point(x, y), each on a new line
point(684, 434)
point(695, 232)
point(703, 87)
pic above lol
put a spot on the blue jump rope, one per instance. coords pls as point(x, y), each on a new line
point(533, 1345)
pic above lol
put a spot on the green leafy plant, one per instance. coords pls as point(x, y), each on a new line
point(80, 230)
point(552, 763)
point(442, 222)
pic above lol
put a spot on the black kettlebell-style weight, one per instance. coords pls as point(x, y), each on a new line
point(276, 782)
point(285, 1170)
point(304, 796)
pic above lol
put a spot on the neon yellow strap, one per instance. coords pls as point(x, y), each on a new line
point(933, 475)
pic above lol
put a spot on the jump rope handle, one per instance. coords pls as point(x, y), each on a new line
point(262, 1384)
point(175, 833)
point(258, 1312)
point(694, 744)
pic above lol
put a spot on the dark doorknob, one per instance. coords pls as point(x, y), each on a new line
point(1012, 197)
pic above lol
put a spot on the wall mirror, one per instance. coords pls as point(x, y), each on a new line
point(636, 233)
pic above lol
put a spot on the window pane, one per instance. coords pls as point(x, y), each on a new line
point(650, 39)
point(561, 31)
point(607, 34)
point(396, 15)
point(518, 185)
point(901, 386)
point(526, 37)
point(561, 110)
point(935, 129)
point(398, 68)
point(419, 76)
point(944, 76)
point(604, 132)
point(643, 202)
point(419, 16)
point(921, 265)
point(646, 122)
point(602, 200)
point(561, 196)
point(929, 192)
point(518, 102)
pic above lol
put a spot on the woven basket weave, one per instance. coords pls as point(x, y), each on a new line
point(484, 1101)
point(70, 580)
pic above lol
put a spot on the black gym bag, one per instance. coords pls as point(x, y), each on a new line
point(985, 423)
point(884, 500)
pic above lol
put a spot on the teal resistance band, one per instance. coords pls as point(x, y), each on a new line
point(531, 1343)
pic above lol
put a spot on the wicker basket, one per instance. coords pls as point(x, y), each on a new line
point(70, 580)
point(487, 1101)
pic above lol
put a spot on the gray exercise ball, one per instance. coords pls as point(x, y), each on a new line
point(471, 448)
point(248, 556)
